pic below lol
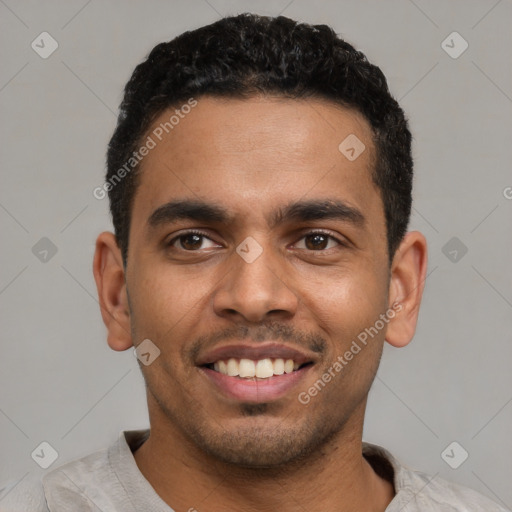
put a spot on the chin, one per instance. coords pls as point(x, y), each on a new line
point(266, 446)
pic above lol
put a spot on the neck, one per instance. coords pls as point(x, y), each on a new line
point(337, 478)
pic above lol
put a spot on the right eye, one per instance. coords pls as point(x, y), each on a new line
point(191, 241)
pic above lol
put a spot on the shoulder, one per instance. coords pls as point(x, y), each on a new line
point(78, 484)
point(25, 495)
point(67, 485)
point(435, 493)
point(416, 490)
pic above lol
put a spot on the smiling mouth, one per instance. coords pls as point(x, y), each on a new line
point(255, 369)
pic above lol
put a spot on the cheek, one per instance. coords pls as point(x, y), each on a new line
point(346, 301)
point(164, 301)
point(347, 310)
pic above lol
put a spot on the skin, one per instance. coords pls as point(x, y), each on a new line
point(254, 156)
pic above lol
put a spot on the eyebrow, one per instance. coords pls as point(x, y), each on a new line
point(300, 211)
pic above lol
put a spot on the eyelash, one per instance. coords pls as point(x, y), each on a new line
point(309, 233)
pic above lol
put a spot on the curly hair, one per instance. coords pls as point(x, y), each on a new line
point(246, 55)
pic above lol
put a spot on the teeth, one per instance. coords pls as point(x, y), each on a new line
point(288, 366)
point(246, 368)
point(278, 366)
point(232, 367)
point(223, 367)
point(262, 369)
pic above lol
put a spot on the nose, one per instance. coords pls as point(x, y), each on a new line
point(254, 290)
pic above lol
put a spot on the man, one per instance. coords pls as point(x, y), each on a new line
point(260, 186)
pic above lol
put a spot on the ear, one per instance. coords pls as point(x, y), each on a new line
point(110, 281)
point(408, 273)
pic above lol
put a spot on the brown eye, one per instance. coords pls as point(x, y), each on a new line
point(191, 241)
point(318, 241)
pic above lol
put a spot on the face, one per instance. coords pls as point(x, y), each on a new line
point(254, 238)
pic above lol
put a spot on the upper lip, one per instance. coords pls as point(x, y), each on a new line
point(255, 352)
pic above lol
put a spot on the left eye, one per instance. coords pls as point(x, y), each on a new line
point(194, 241)
point(318, 241)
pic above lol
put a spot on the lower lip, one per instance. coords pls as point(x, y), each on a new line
point(248, 390)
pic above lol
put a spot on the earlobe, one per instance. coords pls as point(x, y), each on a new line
point(110, 282)
point(408, 273)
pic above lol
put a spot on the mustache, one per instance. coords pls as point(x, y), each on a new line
point(269, 331)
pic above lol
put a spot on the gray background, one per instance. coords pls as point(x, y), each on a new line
point(62, 384)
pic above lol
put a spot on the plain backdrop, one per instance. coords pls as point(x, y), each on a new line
point(59, 381)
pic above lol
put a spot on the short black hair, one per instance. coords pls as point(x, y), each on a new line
point(247, 55)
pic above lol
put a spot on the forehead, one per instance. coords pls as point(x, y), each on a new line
point(252, 154)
